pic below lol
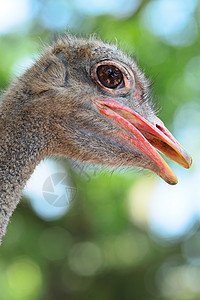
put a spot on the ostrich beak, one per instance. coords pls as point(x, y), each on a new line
point(146, 136)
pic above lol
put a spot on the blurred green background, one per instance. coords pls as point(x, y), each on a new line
point(123, 234)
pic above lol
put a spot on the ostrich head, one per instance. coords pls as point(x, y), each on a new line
point(96, 107)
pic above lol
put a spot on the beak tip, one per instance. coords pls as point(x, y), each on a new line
point(189, 161)
point(168, 176)
point(172, 181)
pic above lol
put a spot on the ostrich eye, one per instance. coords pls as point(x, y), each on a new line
point(113, 77)
point(110, 76)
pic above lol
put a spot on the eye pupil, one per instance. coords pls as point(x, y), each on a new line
point(110, 76)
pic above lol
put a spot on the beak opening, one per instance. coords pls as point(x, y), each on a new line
point(147, 136)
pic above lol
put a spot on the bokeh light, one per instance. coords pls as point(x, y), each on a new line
point(50, 193)
point(191, 249)
point(24, 278)
point(56, 14)
point(178, 281)
point(18, 12)
point(85, 258)
point(120, 8)
point(172, 20)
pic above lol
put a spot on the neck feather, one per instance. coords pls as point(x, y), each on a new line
point(22, 146)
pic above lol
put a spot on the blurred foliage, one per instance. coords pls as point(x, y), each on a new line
point(96, 251)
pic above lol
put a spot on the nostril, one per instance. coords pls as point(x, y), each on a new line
point(160, 128)
point(165, 131)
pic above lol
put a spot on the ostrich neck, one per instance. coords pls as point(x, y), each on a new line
point(20, 152)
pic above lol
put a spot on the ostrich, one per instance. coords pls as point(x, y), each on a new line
point(86, 100)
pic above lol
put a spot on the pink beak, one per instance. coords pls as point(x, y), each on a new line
point(146, 135)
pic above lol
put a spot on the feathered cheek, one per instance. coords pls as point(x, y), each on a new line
point(137, 94)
